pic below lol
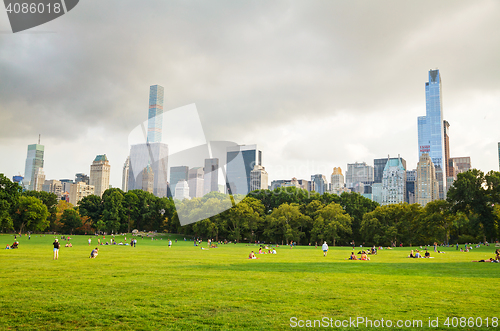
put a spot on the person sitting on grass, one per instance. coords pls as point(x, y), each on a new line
point(15, 245)
point(94, 253)
point(274, 251)
point(353, 256)
point(252, 255)
point(260, 251)
point(8, 247)
point(417, 254)
point(427, 254)
point(364, 257)
point(411, 254)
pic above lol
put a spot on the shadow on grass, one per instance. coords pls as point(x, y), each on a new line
point(459, 269)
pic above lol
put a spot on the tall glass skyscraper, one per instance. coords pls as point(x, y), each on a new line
point(241, 160)
point(34, 161)
point(155, 122)
point(431, 129)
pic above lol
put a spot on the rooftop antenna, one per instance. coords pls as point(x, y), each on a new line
point(39, 139)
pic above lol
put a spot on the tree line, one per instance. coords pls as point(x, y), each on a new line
point(471, 213)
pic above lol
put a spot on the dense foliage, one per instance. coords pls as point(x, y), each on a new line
point(471, 213)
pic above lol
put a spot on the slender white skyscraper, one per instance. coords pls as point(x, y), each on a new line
point(155, 122)
point(126, 168)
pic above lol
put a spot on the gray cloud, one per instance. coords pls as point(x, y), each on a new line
point(251, 67)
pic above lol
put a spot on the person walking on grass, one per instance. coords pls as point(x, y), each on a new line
point(56, 249)
point(325, 248)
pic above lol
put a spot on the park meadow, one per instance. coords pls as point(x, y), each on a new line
point(185, 287)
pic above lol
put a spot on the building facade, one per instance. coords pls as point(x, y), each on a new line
point(358, 172)
point(34, 160)
point(178, 174)
point(126, 167)
point(181, 190)
point(394, 182)
point(99, 174)
point(38, 180)
point(211, 177)
point(431, 129)
point(79, 191)
point(427, 187)
point(411, 179)
point(148, 179)
point(241, 160)
point(154, 154)
point(155, 118)
point(53, 186)
point(319, 183)
point(196, 182)
point(258, 178)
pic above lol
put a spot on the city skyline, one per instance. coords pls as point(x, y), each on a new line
point(313, 95)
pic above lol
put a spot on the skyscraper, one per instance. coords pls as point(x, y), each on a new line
point(153, 152)
point(431, 129)
point(178, 174)
point(34, 160)
point(155, 122)
point(427, 187)
point(319, 183)
point(82, 178)
point(195, 182)
point(258, 178)
point(358, 172)
point(126, 167)
point(211, 179)
point(241, 160)
point(394, 182)
point(379, 166)
point(148, 179)
point(38, 180)
point(99, 174)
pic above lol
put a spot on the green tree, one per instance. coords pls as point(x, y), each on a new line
point(113, 214)
point(284, 222)
point(71, 220)
point(30, 215)
point(332, 222)
point(49, 200)
point(9, 195)
point(92, 207)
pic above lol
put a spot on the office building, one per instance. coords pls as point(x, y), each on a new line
point(17, 179)
point(358, 172)
point(195, 182)
point(241, 160)
point(154, 154)
point(319, 183)
point(155, 118)
point(148, 179)
point(181, 190)
point(462, 163)
point(211, 177)
point(337, 179)
point(379, 166)
point(38, 180)
point(446, 132)
point(431, 129)
point(178, 174)
point(126, 167)
point(53, 186)
point(294, 182)
point(99, 174)
point(258, 178)
point(82, 178)
point(79, 191)
point(34, 160)
point(427, 186)
point(394, 182)
point(411, 178)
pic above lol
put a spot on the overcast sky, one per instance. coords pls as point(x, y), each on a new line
point(315, 84)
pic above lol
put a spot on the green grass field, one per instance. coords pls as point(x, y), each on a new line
point(153, 287)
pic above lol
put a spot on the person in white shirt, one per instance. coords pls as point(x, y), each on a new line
point(325, 248)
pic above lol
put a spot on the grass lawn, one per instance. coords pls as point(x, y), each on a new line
point(153, 287)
